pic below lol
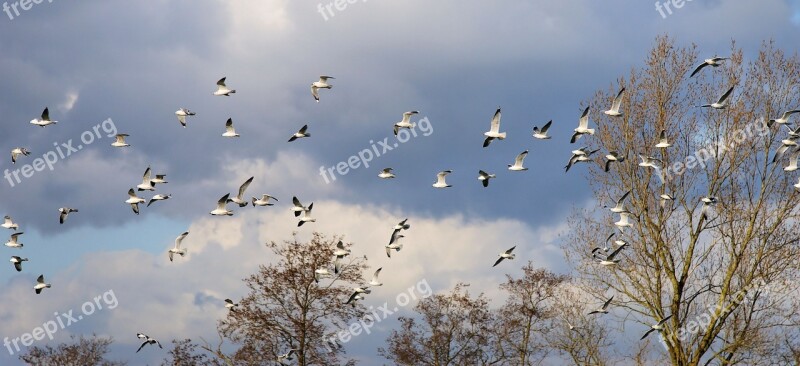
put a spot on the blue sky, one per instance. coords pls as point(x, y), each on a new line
point(454, 61)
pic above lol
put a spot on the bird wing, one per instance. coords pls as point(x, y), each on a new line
point(496, 121)
point(135, 208)
point(182, 120)
point(375, 276)
point(146, 176)
point(221, 83)
point(315, 92)
point(487, 141)
point(618, 100)
point(520, 158)
point(229, 125)
point(179, 239)
point(46, 114)
point(725, 96)
point(546, 126)
point(647, 333)
point(222, 201)
point(498, 261)
point(244, 186)
point(583, 122)
point(510, 250)
point(698, 69)
point(605, 304)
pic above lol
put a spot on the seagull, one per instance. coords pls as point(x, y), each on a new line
point(358, 291)
point(792, 161)
point(613, 157)
point(623, 221)
point(320, 273)
point(147, 339)
point(386, 174)
point(229, 130)
point(578, 156)
point(222, 89)
point(402, 225)
point(708, 202)
point(159, 179)
point(662, 140)
point(230, 305)
point(542, 134)
point(263, 201)
point(9, 223)
point(306, 216)
point(797, 185)
point(13, 243)
point(340, 252)
point(406, 122)
point(603, 309)
point(505, 255)
point(182, 113)
point(583, 127)
point(484, 177)
point(649, 162)
point(44, 120)
point(614, 111)
point(221, 210)
point(120, 140)
point(440, 179)
point(17, 151)
point(147, 184)
point(134, 200)
point(321, 84)
point(618, 242)
point(664, 198)
point(518, 162)
point(300, 134)
point(298, 207)
point(394, 244)
point(714, 62)
point(786, 144)
point(286, 356)
point(784, 119)
point(722, 103)
point(239, 199)
point(494, 131)
point(40, 285)
point(177, 249)
point(17, 261)
point(656, 327)
point(354, 299)
point(374, 281)
point(158, 197)
point(618, 207)
point(64, 211)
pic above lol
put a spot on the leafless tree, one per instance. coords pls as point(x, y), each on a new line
point(83, 351)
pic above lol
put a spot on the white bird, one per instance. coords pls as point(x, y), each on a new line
point(182, 113)
point(17, 151)
point(614, 111)
point(297, 207)
point(583, 127)
point(386, 174)
point(624, 221)
point(608, 260)
point(440, 179)
point(340, 252)
point(656, 327)
point(784, 119)
point(239, 199)
point(649, 162)
point(394, 244)
point(147, 340)
point(320, 273)
point(662, 140)
point(494, 130)
point(17, 262)
point(286, 356)
point(159, 179)
point(664, 198)
point(263, 201)
point(402, 225)
point(8, 223)
point(578, 156)
point(222, 89)
point(713, 62)
point(177, 248)
point(44, 120)
point(722, 102)
point(358, 291)
point(321, 84)
point(230, 305)
point(13, 242)
point(708, 203)
point(147, 184)
point(618, 208)
point(120, 140)
point(613, 157)
point(792, 161)
point(375, 281)
point(406, 122)
point(158, 197)
point(134, 200)
point(603, 309)
point(518, 161)
point(300, 134)
point(505, 255)
point(221, 210)
point(542, 134)
point(786, 144)
point(40, 285)
point(484, 177)
point(306, 216)
point(229, 130)
point(63, 212)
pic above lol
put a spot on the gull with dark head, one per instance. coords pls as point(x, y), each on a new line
point(542, 134)
point(17, 262)
point(306, 216)
point(158, 197)
point(603, 309)
point(609, 259)
point(147, 184)
point(263, 201)
point(656, 327)
point(613, 157)
point(386, 174)
point(229, 130)
point(222, 89)
point(300, 134)
point(374, 281)
point(134, 200)
point(230, 305)
point(147, 340)
point(784, 118)
point(239, 199)
point(17, 151)
point(722, 102)
point(182, 113)
point(40, 285)
point(713, 62)
point(297, 207)
point(505, 255)
point(649, 162)
point(618, 208)
point(662, 140)
point(63, 212)
point(394, 244)
point(221, 210)
point(484, 177)
point(44, 120)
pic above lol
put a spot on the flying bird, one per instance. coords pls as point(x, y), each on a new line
point(494, 130)
point(221, 210)
point(263, 201)
point(358, 291)
point(793, 161)
point(386, 174)
point(286, 356)
point(614, 111)
point(17, 151)
point(222, 89)
point(229, 130)
point(603, 309)
point(722, 102)
point(618, 208)
point(708, 203)
point(374, 281)
point(649, 162)
point(340, 252)
point(713, 62)
point(613, 157)
point(40, 285)
point(120, 140)
point(321, 84)
point(583, 127)
point(542, 134)
point(578, 156)
point(297, 207)
point(177, 248)
point(320, 273)
point(300, 134)
point(664, 198)
point(13, 242)
point(182, 113)
point(147, 340)
point(440, 179)
point(394, 244)
point(63, 212)
point(230, 305)
point(17, 262)
point(239, 199)
point(406, 122)
point(784, 119)
point(662, 140)
point(624, 221)
point(786, 144)
point(656, 327)
point(607, 260)
point(158, 197)
point(518, 161)
point(8, 223)
point(484, 177)
point(159, 179)
point(306, 216)
point(147, 184)
point(505, 255)
point(44, 120)
point(134, 200)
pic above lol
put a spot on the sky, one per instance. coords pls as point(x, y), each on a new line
point(106, 67)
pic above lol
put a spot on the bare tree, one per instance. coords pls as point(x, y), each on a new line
point(582, 339)
point(186, 353)
point(711, 253)
point(84, 351)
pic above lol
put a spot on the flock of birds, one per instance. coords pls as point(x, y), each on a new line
point(607, 256)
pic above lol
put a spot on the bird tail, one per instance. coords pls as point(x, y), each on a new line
point(185, 251)
point(502, 136)
point(233, 91)
point(47, 285)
